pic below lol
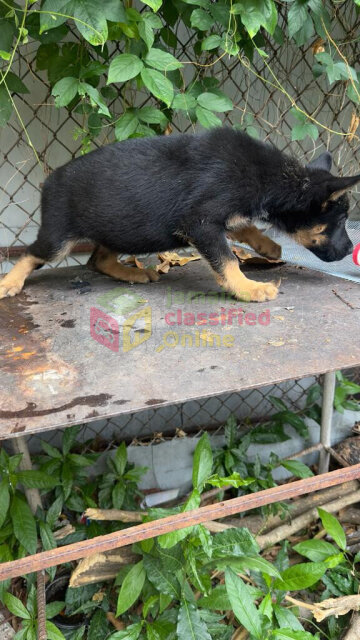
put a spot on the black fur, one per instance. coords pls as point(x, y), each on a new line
point(156, 194)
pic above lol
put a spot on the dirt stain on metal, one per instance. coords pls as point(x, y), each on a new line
point(155, 401)
point(68, 324)
point(30, 411)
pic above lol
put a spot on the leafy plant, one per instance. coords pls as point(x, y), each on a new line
point(86, 75)
point(70, 471)
point(29, 616)
point(118, 486)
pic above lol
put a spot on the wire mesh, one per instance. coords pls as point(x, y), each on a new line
point(54, 134)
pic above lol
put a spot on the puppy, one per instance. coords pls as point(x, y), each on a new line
point(157, 194)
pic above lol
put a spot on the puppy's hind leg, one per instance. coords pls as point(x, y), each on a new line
point(38, 253)
point(105, 261)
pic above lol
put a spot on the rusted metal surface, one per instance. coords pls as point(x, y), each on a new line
point(53, 373)
point(148, 530)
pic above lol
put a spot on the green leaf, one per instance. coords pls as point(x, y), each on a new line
point(235, 480)
point(201, 20)
point(98, 626)
point(51, 451)
point(315, 550)
point(32, 479)
point(5, 106)
point(7, 32)
point(214, 102)
point(4, 500)
point(151, 115)
point(163, 580)
point(23, 523)
point(95, 100)
point(286, 619)
point(297, 16)
point(54, 608)
point(289, 634)
point(202, 462)
point(184, 101)
point(47, 536)
point(69, 438)
point(146, 33)
point(234, 542)
point(53, 633)
point(300, 131)
point(120, 459)
point(114, 10)
point(207, 118)
point(131, 588)
point(16, 607)
point(154, 4)
point(211, 42)
point(132, 632)
point(64, 91)
point(333, 528)
point(242, 604)
point(189, 624)
point(162, 60)
point(158, 85)
point(301, 576)
point(91, 21)
point(15, 84)
point(250, 563)
point(124, 67)
point(54, 511)
point(217, 600)
point(67, 479)
point(118, 495)
point(126, 126)
point(297, 468)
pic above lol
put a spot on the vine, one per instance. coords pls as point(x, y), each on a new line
point(105, 60)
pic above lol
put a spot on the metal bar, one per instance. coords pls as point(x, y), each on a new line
point(148, 530)
point(326, 419)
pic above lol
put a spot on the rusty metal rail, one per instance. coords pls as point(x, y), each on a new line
point(148, 530)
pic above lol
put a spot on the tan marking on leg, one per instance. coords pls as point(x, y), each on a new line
point(234, 281)
point(13, 282)
point(258, 241)
point(105, 261)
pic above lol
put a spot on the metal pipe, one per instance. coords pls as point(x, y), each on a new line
point(148, 530)
point(326, 419)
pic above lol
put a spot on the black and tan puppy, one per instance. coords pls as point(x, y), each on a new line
point(157, 194)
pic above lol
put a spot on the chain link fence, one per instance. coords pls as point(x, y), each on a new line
point(258, 103)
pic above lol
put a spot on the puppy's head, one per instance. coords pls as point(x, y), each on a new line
point(320, 226)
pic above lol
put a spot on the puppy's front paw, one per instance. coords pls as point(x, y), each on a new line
point(9, 290)
point(258, 291)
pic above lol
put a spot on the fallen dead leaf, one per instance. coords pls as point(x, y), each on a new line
point(276, 343)
point(330, 607)
point(172, 259)
point(281, 318)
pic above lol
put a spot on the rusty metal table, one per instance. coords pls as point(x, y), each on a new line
point(77, 346)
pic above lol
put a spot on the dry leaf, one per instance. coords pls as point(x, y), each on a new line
point(242, 254)
point(354, 124)
point(276, 343)
point(119, 626)
point(168, 131)
point(172, 259)
point(318, 46)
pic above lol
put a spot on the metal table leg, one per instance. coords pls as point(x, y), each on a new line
point(326, 419)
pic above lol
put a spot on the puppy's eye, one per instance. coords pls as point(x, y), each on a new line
point(319, 228)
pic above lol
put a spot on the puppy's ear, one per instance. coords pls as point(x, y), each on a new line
point(324, 162)
point(336, 187)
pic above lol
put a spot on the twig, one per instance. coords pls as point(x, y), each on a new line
point(342, 299)
point(41, 606)
point(354, 629)
point(284, 531)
